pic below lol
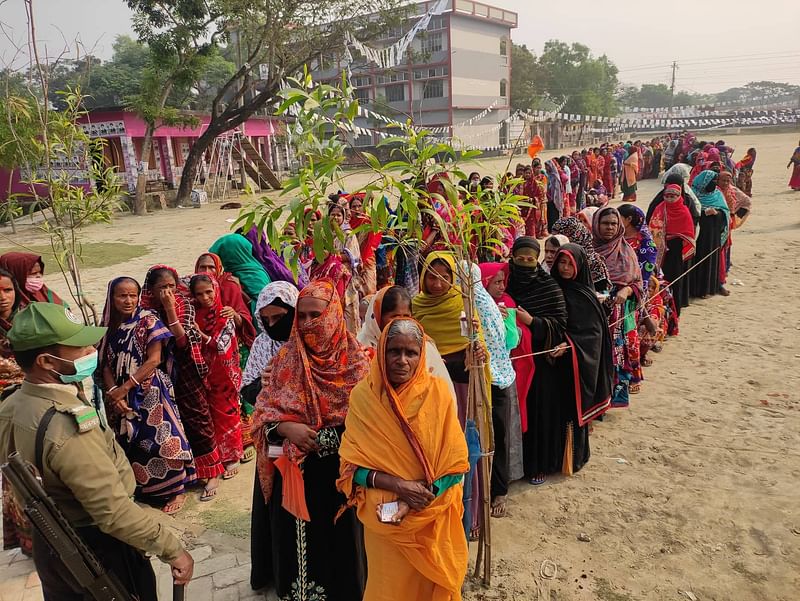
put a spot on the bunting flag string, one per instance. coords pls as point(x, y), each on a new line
point(391, 56)
point(664, 111)
point(479, 116)
point(738, 118)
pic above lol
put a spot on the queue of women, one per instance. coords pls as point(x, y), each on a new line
point(348, 385)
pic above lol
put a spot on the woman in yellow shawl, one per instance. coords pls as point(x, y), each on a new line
point(438, 307)
point(403, 444)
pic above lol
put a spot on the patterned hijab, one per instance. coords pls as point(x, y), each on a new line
point(264, 347)
point(314, 372)
point(577, 233)
point(494, 331)
point(620, 258)
point(312, 376)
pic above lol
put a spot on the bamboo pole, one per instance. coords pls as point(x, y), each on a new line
point(477, 405)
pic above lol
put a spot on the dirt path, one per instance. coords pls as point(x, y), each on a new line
point(693, 488)
point(691, 492)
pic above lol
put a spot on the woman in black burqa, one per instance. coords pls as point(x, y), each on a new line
point(544, 311)
point(588, 362)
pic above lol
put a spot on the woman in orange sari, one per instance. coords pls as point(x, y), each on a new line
point(403, 457)
point(630, 173)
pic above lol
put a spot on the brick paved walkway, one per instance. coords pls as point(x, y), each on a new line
point(221, 573)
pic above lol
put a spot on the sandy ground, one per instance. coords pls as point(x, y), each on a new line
point(691, 492)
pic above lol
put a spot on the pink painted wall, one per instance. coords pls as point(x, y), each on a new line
point(20, 187)
point(135, 127)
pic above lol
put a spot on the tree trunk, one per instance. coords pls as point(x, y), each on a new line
point(193, 161)
point(11, 201)
point(139, 203)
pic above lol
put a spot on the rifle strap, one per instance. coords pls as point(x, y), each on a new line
point(40, 433)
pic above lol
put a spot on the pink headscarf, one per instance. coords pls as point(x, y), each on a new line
point(524, 366)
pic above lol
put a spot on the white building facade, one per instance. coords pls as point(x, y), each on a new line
point(455, 78)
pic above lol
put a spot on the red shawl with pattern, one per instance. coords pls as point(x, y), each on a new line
point(312, 376)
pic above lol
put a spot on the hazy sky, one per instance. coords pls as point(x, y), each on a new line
point(717, 44)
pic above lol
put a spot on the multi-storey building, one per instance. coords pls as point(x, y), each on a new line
point(453, 71)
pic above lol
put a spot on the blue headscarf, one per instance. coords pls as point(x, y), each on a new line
point(711, 200)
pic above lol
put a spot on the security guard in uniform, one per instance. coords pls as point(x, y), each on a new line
point(82, 467)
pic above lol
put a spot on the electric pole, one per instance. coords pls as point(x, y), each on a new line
point(672, 88)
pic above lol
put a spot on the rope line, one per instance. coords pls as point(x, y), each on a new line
point(624, 317)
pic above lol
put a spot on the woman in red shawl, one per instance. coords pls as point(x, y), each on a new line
point(231, 296)
point(608, 174)
point(224, 378)
point(673, 231)
point(368, 242)
point(701, 163)
point(233, 307)
point(608, 232)
point(591, 163)
point(298, 425)
point(602, 163)
point(28, 271)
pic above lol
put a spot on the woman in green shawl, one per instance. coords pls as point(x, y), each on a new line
point(709, 276)
point(236, 254)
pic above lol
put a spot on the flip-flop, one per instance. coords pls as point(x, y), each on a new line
point(209, 494)
point(537, 480)
point(174, 506)
point(249, 454)
point(231, 471)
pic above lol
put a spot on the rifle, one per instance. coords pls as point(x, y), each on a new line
point(62, 538)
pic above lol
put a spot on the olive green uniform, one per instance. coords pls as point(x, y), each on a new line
point(84, 470)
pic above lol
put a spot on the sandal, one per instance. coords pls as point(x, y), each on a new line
point(475, 534)
point(537, 480)
point(249, 454)
point(499, 506)
point(647, 362)
point(231, 470)
point(209, 491)
point(635, 388)
point(174, 505)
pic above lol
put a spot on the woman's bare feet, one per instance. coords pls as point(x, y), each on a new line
point(175, 504)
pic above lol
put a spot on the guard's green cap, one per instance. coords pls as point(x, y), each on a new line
point(44, 324)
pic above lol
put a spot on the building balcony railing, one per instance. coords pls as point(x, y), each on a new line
point(479, 9)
